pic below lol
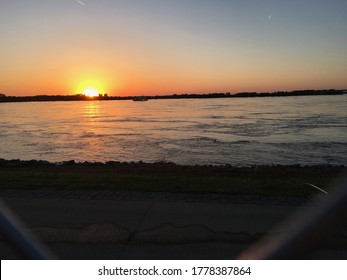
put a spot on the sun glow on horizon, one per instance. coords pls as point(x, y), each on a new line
point(89, 84)
point(91, 92)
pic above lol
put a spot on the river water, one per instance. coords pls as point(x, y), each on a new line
point(238, 131)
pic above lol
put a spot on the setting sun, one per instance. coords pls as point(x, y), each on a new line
point(91, 92)
point(89, 85)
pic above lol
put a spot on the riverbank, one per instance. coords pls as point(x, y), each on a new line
point(168, 177)
point(139, 210)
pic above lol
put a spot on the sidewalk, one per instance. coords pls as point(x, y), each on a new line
point(115, 225)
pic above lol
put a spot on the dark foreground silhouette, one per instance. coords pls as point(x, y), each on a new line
point(82, 97)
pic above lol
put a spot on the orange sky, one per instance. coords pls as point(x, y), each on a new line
point(134, 48)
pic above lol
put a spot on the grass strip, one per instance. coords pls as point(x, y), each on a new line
point(270, 180)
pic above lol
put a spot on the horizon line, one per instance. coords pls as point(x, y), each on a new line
point(2, 94)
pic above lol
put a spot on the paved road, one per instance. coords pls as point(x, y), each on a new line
point(116, 225)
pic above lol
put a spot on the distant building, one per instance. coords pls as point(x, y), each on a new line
point(2, 95)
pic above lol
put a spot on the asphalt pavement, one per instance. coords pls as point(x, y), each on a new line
point(134, 225)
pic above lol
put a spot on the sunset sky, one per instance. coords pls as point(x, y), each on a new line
point(135, 47)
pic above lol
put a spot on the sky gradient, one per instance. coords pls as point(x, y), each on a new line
point(136, 47)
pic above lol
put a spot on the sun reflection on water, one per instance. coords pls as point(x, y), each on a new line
point(92, 110)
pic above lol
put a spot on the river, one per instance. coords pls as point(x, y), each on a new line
point(306, 130)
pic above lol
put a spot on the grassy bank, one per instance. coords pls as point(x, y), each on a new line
point(268, 180)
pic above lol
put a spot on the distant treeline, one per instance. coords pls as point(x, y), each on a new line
point(82, 97)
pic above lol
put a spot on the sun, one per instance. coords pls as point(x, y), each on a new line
point(91, 92)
